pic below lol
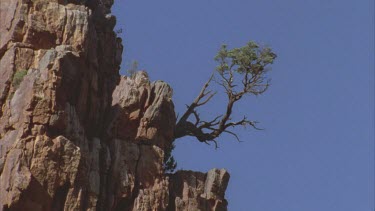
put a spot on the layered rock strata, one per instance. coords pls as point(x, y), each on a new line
point(74, 134)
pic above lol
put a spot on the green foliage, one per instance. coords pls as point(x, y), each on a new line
point(248, 59)
point(18, 78)
point(245, 68)
point(169, 163)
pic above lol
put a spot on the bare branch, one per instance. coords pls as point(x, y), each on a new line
point(211, 123)
point(207, 99)
point(235, 135)
point(196, 115)
point(242, 72)
point(195, 103)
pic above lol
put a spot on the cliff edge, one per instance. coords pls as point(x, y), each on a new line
point(74, 134)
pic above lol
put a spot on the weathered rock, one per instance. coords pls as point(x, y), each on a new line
point(198, 191)
point(144, 111)
point(74, 135)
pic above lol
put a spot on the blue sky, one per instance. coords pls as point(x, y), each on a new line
point(317, 150)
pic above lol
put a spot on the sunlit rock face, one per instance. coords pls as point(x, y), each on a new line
point(74, 134)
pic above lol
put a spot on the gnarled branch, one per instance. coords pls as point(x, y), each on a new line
point(249, 63)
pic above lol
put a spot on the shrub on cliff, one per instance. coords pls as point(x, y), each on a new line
point(18, 78)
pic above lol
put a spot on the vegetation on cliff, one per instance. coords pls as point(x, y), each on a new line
point(241, 72)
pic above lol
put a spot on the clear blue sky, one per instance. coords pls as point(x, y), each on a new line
point(317, 150)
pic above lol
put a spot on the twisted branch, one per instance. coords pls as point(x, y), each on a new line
point(249, 63)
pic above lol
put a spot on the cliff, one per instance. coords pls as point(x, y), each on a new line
point(74, 134)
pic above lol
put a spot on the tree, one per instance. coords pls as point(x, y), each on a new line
point(169, 163)
point(241, 72)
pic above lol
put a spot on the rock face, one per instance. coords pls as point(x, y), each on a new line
point(74, 134)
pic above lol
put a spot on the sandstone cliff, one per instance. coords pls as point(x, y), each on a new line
point(74, 134)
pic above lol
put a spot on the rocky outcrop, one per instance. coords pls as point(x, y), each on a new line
point(74, 134)
point(198, 191)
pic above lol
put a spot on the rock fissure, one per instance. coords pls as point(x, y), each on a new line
point(12, 19)
point(64, 25)
point(5, 95)
point(136, 188)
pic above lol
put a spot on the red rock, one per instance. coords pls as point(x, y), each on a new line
point(74, 135)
